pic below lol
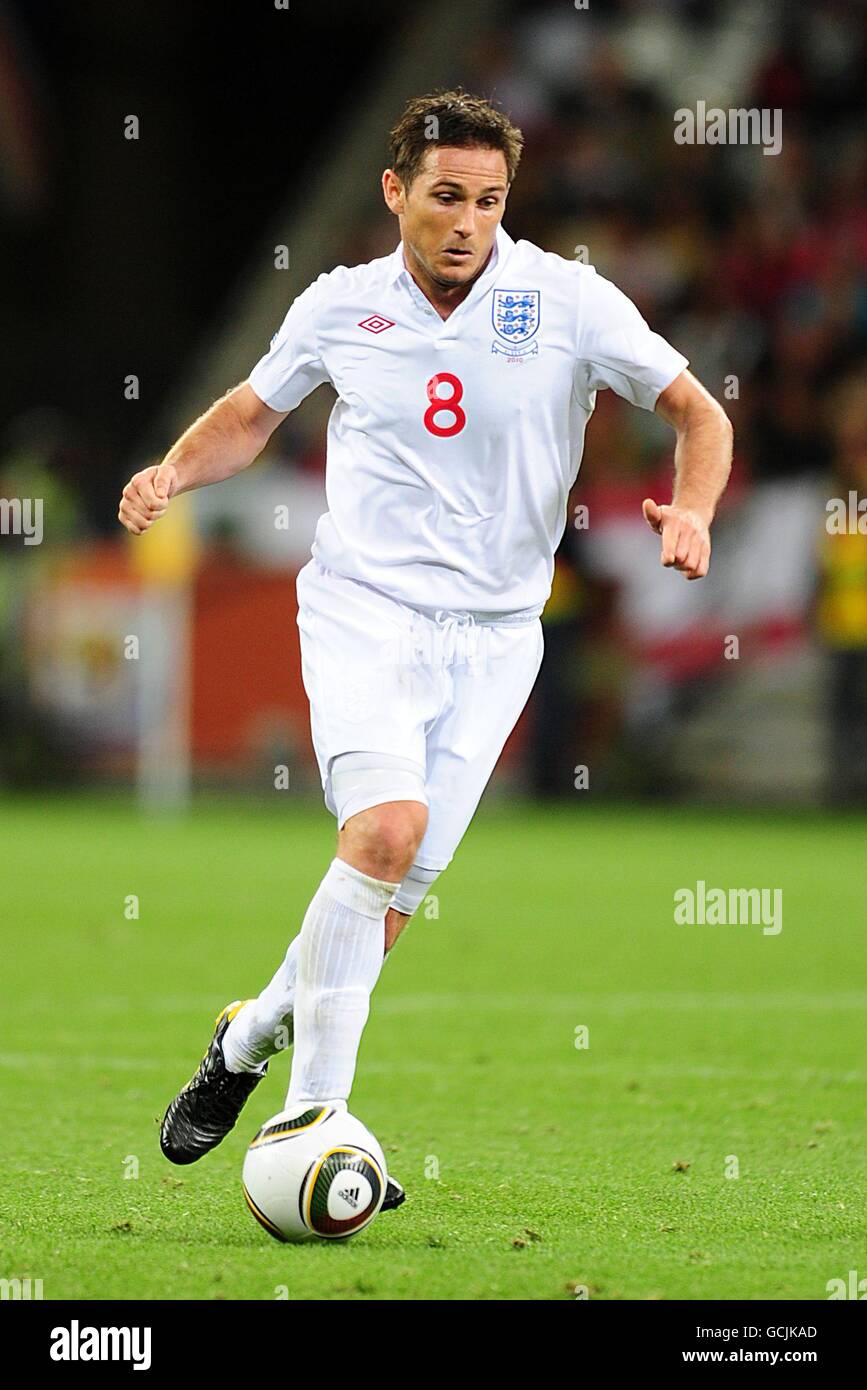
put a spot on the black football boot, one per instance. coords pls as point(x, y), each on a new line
point(202, 1114)
point(394, 1195)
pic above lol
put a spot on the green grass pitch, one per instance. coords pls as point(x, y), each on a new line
point(532, 1165)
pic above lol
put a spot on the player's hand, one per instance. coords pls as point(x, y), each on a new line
point(685, 537)
point(146, 497)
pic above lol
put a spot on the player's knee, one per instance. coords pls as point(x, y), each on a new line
point(386, 838)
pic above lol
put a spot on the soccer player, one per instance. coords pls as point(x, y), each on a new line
point(466, 366)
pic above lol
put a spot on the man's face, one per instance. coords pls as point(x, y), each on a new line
point(450, 213)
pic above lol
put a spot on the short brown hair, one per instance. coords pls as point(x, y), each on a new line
point(460, 120)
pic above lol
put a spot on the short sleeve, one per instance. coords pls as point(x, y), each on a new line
point(292, 367)
point(618, 349)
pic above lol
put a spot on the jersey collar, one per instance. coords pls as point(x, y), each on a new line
point(503, 244)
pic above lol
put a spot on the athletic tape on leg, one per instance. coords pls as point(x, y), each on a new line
point(362, 780)
point(413, 889)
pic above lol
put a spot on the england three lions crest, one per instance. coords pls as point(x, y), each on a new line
point(515, 315)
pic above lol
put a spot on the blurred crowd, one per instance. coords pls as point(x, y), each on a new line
point(753, 264)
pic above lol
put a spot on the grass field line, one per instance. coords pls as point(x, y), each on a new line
point(22, 1061)
point(623, 1003)
point(650, 1000)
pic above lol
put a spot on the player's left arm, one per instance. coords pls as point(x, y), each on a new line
point(702, 463)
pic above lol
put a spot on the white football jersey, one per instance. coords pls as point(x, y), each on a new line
point(454, 443)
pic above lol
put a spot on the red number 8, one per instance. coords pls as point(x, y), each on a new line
point(449, 404)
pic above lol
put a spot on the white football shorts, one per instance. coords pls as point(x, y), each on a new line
point(441, 691)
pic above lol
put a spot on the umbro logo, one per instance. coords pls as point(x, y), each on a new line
point(376, 323)
point(350, 1195)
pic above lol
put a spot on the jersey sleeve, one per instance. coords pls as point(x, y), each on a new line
point(292, 367)
point(617, 348)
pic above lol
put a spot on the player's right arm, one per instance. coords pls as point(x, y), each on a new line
point(228, 437)
point(221, 443)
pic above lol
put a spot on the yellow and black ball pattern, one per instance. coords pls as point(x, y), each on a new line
point(291, 1128)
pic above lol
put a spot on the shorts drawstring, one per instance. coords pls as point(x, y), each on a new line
point(457, 628)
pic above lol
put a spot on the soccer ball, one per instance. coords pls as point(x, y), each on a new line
point(313, 1170)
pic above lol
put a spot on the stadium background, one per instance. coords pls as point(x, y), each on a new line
point(153, 259)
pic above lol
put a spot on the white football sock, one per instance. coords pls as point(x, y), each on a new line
point(340, 957)
point(264, 1025)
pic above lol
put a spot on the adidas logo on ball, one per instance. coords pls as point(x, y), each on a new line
point(314, 1171)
